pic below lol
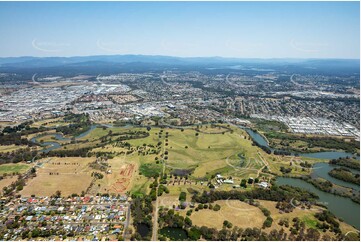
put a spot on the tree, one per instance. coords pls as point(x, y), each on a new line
point(194, 233)
point(312, 234)
point(244, 183)
point(188, 221)
point(223, 235)
point(216, 207)
point(57, 194)
point(35, 233)
point(268, 222)
point(182, 196)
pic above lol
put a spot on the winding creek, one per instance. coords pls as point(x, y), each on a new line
point(49, 146)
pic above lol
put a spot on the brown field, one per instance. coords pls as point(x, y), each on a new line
point(10, 148)
point(238, 213)
point(69, 175)
point(6, 182)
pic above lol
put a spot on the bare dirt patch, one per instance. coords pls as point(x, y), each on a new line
point(120, 178)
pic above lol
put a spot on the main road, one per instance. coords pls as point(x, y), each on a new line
point(126, 223)
point(155, 219)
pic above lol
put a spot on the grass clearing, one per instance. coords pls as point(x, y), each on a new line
point(209, 152)
point(11, 168)
point(238, 213)
point(150, 170)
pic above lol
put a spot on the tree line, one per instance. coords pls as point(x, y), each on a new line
point(275, 193)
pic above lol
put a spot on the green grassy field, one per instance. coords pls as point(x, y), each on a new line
point(10, 168)
point(206, 152)
point(227, 153)
point(210, 153)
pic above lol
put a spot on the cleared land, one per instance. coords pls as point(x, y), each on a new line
point(68, 175)
point(6, 182)
point(120, 178)
point(238, 213)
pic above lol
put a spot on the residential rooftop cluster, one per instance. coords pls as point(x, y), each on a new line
point(78, 218)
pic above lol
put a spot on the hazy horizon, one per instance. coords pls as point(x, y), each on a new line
point(185, 57)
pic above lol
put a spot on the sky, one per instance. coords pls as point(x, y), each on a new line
point(185, 29)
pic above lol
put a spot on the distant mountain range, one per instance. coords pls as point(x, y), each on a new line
point(113, 63)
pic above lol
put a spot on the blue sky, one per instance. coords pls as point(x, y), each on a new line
point(228, 29)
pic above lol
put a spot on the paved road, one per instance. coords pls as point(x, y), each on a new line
point(155, 221)
point(126, 222)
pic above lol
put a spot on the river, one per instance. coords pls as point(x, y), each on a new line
point(329, 155)
point(322, 169)
point(52, 145)
point(342, 207)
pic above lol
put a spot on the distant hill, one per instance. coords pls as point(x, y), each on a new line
point(122, 63)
